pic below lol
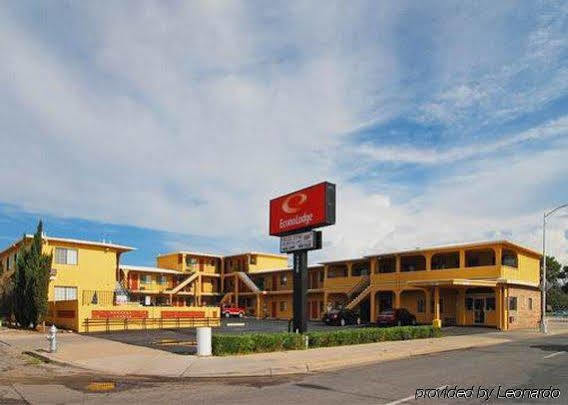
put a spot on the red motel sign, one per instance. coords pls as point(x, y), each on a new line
point(305, 209)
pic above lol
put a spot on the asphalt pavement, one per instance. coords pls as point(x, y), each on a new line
point(535, 363)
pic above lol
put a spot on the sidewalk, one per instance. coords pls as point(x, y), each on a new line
point(117, 358)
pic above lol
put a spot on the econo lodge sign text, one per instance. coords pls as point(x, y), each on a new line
point(311, 207)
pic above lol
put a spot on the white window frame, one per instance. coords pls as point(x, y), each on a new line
point(71, 256)
point(64, 293)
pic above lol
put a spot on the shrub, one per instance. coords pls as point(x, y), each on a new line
point(370, 335)
point(255, 343)
point(271, 342)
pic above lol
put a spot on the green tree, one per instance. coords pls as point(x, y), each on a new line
point(557, 299)
point(31, 280)
point(554, 271)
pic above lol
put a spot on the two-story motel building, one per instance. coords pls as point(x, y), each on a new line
point(490, 283)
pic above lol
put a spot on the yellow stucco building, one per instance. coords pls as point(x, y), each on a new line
point(490, 283)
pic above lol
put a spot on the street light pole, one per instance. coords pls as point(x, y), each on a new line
point(543, 323)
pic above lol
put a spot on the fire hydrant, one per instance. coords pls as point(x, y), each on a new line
point(52, 337)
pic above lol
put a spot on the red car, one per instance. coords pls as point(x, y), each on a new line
point(392, 317)
point(233, 310)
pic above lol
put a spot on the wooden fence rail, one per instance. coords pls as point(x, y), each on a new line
point(148, 323)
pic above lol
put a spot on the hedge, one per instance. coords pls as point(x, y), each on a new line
point(272, 342)
point(370, 335)
point(256, 343)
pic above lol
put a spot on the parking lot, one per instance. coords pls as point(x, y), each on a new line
point(182, 341)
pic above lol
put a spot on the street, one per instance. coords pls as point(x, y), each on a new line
point(535, 363)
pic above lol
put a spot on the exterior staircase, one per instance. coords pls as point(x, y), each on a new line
point(357, 300)
point(226, 298)
point(248, 282)
point(181, 285)
point(359, 292)
point(357, 288)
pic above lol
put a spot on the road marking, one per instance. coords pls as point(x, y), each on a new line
point(236, 324)
point(410, 398)
point(552, 355)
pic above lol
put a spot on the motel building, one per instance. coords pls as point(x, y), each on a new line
point(490, 283)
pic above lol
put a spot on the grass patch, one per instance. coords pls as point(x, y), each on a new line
point(272, 342)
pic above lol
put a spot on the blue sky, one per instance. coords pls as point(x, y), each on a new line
point(169, 125)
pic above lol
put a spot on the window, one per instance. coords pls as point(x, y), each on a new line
point(162, 279)
point(253, 259)
point(337, 271)
point(321, 276)
point(212, 262)
point(512, 303)
point(412, 263)
point(490, 304)
point(65, 293)
point(145, 278)
point(283, 306)
point(360, 269)
point(66, 256)
point(190, 261)
point(469, 304)
point(387, 264)
point(283, 280)
point(530, 303)
point(450, 260)
point(479, 257)
point(420, 305)
point(509, 258)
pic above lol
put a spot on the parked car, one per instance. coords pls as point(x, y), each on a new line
point(400, 316)
point(341, 317)
point(232, 310)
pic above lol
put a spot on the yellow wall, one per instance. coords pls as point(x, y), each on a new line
point(72, 315)
point(268, 263)
point(95, 269)
point(528, 270)
point(169, 261)
point(154, 285)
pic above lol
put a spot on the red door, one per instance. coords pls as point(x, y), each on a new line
point(274, 282)
point(274, 309)
point(132, 281)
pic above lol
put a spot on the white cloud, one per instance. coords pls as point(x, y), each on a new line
point(189, 118)
point(398, 154)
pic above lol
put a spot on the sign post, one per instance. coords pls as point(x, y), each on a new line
point(293, 217)
point(300, 323)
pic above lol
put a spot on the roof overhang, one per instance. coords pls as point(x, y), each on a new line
point(455, 282)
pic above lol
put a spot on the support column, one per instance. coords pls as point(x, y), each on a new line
point(236, 281)
point(396, 299)
point(505, 294)
point(397, 261)
point(349, 269)
point(498, 307)
point(258, 305)
point(428, 306)
point(437, 322)
point(462, 259)
point(373, 305)
point(428, 257)
point(461, 307)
